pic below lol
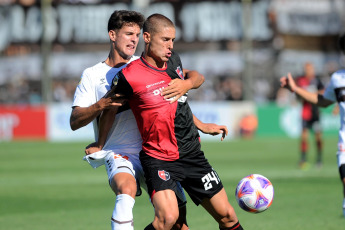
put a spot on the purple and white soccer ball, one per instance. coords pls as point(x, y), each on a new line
point(254, 193)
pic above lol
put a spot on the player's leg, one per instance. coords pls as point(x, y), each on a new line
point(304, 145)
point(181, 223)
point(318, 139)
point(122, 182)
point(166, 209)
point(205, 187)
point(222, 211)
point(162, 188)
point(341, 165)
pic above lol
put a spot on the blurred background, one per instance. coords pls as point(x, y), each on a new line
point(241, 47)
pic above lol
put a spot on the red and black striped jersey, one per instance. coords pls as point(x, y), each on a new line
point(167, 129)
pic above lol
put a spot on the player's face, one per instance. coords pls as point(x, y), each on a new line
point(309, 70)
point(126, 40)
point(161, 44)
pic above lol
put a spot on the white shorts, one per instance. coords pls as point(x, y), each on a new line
point(116, 163)
point(128, 163)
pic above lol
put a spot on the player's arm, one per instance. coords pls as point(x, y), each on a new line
point(210, 128)
point(81, 116)
point(314, 98)
point(178, 87)
point(105, 123)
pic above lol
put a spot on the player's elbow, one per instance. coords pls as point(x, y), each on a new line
point(323, 102)
point(201, 80)
point(73, 126)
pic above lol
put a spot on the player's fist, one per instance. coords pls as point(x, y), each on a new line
point(92, 148)
point(288, 82)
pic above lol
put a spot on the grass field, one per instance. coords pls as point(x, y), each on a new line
point(47, 186)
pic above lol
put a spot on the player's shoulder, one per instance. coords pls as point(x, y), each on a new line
point(338, 78)
point(134, 66)
point(96, 71)
point(339, 74)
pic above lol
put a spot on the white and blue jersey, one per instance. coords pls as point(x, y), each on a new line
point(335, 92)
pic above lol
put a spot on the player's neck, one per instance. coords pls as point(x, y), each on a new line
point(116, 60)
point(152, 61)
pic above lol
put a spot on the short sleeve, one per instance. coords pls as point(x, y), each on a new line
point(330, 92)
point(122, 87)
point(84, 95)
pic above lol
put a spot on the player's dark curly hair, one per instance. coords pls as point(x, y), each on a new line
point(341, 42)
point(119, 18)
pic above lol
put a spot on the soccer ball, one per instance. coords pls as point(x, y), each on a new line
point(254, 193)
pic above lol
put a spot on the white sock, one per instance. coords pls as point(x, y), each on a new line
point(122, 218)
point(344, 207)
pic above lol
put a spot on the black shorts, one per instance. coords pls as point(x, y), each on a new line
point(193, 171)
point(312, 124)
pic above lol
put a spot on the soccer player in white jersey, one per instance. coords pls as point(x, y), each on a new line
point(121, 151)
point(335, 92)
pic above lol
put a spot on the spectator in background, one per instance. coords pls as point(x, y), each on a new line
point(248, 126)
point(310, 115)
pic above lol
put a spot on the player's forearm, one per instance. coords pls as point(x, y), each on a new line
point(105, 123)
point(199, 124)
point(306, 95)
point(82, 116)
point(195, 78)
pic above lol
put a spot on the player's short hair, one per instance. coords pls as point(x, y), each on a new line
point(341, 42)
point(119, 18)
point(155, 21)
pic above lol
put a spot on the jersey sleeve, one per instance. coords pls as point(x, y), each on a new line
point(84, 95)
point(330, 91)
point(320, 85)
point(122, 85)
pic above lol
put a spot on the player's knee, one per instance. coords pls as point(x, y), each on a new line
point(129, 188)
point(170, 218)
point(227, 217)
point(167, 220)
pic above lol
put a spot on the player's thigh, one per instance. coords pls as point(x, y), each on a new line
point(124, 183)
point(120, 171)
point(219, 207)
point(165, 203)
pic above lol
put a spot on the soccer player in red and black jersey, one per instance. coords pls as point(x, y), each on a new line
point(171, 149)
point(310, 115)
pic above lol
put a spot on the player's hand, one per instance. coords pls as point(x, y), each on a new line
point(109, 102)
point(92, 148)
point(288, 82)
point(214, 129)
point(176, 89)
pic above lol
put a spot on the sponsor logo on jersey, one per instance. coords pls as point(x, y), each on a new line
point(157, 83)
point(163, 175)
point(179, 72)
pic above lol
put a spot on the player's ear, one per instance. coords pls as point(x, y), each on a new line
point(112, 35)
point(147, 37)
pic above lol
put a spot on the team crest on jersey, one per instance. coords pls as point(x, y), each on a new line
point(163, 175)
point(115, 80)
point(179, 72)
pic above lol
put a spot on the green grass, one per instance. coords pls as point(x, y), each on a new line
point(47, 186)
